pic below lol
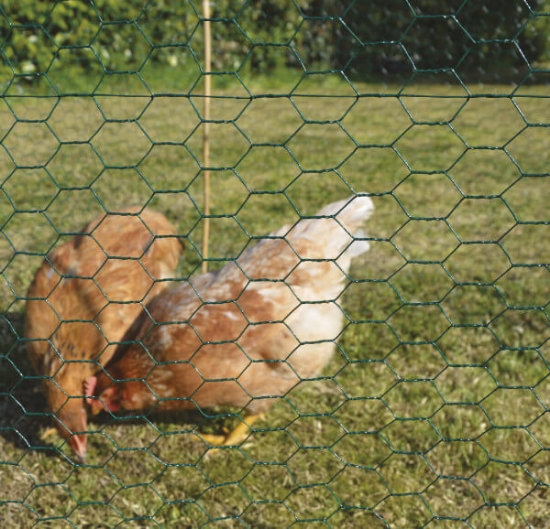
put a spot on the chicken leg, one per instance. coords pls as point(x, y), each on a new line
point(236, 436)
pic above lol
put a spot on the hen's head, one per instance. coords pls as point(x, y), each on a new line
point(71, 422)
point(100, 399)
point(70, 417)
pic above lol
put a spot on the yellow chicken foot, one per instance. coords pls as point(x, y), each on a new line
point(235, 437)
point(211, 438)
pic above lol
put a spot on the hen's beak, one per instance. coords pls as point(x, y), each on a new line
point(89, 388)
point(77, 442)
point(95, 407)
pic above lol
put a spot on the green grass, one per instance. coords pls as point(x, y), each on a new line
point(433, 410)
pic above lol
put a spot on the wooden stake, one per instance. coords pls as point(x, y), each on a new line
point(206, 130)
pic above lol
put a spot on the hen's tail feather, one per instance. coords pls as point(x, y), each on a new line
point(359, 245)
point(333, 230)
point(350, 213)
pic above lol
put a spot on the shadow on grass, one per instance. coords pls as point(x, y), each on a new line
point(209, 421)
point(22, 411)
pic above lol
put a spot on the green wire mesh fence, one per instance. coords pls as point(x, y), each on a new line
point(433, 411)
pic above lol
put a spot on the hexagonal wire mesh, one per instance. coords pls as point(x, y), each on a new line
point(433, 406)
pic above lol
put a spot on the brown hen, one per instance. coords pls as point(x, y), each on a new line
point(246, 334)
point(84, 298)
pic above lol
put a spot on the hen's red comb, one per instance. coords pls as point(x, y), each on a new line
point(89, 386)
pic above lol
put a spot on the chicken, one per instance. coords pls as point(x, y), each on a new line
point(84, 298)
point(246, 334)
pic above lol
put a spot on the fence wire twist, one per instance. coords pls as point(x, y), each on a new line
point(434, 406)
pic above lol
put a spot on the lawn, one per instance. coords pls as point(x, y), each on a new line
point(433, 410)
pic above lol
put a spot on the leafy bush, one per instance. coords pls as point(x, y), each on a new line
point(362, 38)
point(471, 37)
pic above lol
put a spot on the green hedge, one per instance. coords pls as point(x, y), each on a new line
point(362, 38)
point(469, 37)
